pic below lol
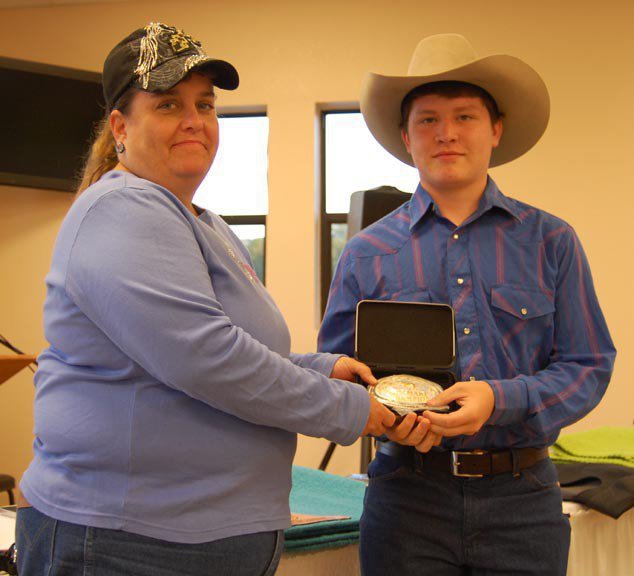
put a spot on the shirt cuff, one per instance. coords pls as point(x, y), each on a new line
point(511, 401)
point(348, 437)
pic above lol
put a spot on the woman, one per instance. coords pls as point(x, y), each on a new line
point(168, 403)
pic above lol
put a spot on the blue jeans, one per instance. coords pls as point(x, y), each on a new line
point(438, 524)
point(48, 547)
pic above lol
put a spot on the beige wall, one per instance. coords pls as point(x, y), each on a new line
point(293, 54)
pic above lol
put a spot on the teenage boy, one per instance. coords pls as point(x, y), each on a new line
point(473, 491)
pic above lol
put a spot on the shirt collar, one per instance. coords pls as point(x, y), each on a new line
point(421, 203)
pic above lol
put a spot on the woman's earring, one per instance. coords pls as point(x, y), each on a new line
point(119, 147)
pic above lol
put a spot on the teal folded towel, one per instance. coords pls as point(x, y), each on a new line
point(322, 494)
point(321, 542)
point(607, 445)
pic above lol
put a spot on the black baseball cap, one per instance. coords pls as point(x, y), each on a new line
point(156, 58)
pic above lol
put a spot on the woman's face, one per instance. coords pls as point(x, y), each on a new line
point(171, 137)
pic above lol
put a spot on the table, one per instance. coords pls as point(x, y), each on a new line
point(10, 365)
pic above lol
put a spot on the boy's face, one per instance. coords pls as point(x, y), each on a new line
point(450, 141)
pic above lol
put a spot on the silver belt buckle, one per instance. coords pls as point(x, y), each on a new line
point(455, 463)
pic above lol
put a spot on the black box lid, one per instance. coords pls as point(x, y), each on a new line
point(405, 335)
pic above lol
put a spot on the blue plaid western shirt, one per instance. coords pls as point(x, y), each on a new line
point(527, 317)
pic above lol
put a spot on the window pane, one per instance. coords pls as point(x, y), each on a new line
point(252, 236)
point(338, 236)
point(237, 182)
point(356, 161)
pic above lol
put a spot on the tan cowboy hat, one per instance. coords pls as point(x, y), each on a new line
point(518, 90)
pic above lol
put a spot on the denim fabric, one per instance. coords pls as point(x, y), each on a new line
point(441, 525)
point(49, 547)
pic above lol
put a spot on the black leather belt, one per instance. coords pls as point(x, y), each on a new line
point(466, 463)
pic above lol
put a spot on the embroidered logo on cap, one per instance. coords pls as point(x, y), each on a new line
point(179, 42)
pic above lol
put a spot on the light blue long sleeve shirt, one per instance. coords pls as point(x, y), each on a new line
point(168, 401)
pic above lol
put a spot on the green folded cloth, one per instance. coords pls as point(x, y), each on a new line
point(607, 445)
point(322, 494)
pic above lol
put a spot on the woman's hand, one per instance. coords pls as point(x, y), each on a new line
point(379, 420)
point(347, 368)
point(414, 430)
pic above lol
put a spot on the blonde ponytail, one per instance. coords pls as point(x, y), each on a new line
point(103, 157)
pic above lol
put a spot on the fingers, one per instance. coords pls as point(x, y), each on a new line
point(346, 368)
point(430, 440)
point(452, 424)
point(410, 431)
point(477, 402)
point(388, 418)
point(413, 430)
point(448, 421)
point(379, 419)
point(403, 428)
point(464, 421)
point(451, 432)
point(364, 373)
point(447, 396)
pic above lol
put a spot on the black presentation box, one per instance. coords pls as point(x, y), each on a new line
point(417, 338)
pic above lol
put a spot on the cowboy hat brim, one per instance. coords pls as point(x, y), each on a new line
point(518, 90)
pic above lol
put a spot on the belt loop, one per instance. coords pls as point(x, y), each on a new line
point(515, 462)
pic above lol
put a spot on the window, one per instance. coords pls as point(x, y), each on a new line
point(351, 160)
point(237, 194)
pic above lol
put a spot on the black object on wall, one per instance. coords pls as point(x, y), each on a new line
point(368, 206)
point(49, 115)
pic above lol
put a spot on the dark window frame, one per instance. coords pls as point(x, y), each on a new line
point(251, 219)
point(326, 220)
point(247, 219)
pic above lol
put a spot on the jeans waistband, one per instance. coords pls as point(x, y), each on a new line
point(466, 463)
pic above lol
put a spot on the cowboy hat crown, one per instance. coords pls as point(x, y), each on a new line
point(518, 90)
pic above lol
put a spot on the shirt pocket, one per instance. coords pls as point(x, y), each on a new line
point(524, 319)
